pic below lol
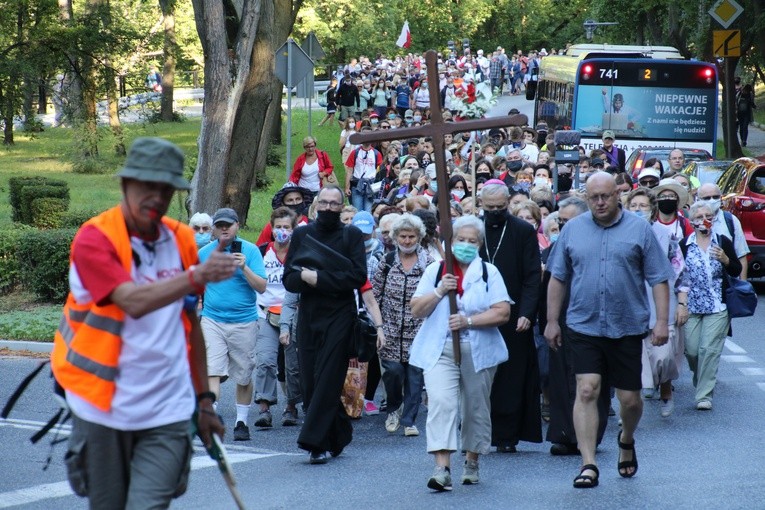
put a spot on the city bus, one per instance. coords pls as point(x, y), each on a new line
point(648, 96)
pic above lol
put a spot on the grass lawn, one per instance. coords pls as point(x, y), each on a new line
point(51, 154)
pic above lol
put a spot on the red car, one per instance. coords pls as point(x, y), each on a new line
point(743, 194)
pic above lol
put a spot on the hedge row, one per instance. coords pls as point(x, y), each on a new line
point(25, 191)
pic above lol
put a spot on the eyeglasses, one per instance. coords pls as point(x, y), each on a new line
point(201, 228)
point(561, 221)
point(667, 197)
point(223, 224)
point(329, 203)
point(649, 182)
point(311, 146)
point(711, 197)
point(385, 127)
point(605, 197)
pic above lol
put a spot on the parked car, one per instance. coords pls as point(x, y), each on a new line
point(743, 194)
point(706, 171)
point(637, 159)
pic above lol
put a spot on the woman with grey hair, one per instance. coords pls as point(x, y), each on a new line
point(459, 395)
point(394, 283)
point(202, 224)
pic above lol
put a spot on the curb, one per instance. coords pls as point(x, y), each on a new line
point(23, 345)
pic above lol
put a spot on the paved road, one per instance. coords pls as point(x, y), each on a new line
point(692, 460)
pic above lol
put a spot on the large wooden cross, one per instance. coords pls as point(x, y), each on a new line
point(437, 129)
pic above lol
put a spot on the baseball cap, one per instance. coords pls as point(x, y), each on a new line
point(597, 162)
point(225, 214)
point(152, 159)
point(649, 172)
point(364, 221)
point(608, 134)
point(374, 116)
point(408, 114)
point(413, 141)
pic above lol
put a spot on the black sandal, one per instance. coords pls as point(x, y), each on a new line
point(586, 481)
point(624, 465)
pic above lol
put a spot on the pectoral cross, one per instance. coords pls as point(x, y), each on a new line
point(437, 129)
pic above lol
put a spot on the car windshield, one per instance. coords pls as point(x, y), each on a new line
point(757, 182)
point(710, 172)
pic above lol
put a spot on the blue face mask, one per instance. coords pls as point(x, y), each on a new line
point(369, 243)
point(282, 235)
point(433, 186)
point(646, 215)
point(554, 237)
point(202, 239)
point(465, 252)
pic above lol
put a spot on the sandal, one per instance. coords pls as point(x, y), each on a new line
point(586, 481)
point(624, 465)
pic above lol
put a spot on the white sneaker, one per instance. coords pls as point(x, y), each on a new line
point(667, 406)
point(704, 405)
point(411, 431)
point(393, 422)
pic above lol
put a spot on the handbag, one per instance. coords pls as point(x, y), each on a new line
point(364, 337)
point(354, 387)
point(329, 180)
point(322, 99)
point(740, 298)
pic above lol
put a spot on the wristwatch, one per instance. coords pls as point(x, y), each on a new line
point(681, 304)
point(470, 322)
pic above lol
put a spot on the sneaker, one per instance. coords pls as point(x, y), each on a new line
point(264, 420)
point(667, 406)
point(393, 422)
point(704, 405)
point(317, 458)
point(289, 418)
point(648, 393)
point(370, 409)
point(411, 431)
point(470, 472)
point(383, 406)
point(441, 480)
point(241, 432)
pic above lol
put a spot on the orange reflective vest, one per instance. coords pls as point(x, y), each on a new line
point(87, 344)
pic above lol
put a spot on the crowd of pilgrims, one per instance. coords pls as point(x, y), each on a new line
point(507, 209)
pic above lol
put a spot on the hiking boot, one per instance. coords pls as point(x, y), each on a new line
point(241, 432)
point(264, 420)
point(370, 409)
point(441, 480)
point(470, 472)
point(411, 431)
point(393, 422)
point(289, 418)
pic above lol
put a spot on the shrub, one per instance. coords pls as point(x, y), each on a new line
point(90, 165)
point(75, 219)
point(15, 184)
point(44, 259)
point(31, 193)
point(47, 212)
point(10, 267)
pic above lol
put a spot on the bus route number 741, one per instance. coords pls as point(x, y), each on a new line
point(609, 73)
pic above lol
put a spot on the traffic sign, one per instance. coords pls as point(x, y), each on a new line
point(312, 47)
point(725, 12)
point(726, 43)
point(292, 64)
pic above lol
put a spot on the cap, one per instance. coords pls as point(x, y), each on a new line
point(542, 127)
point(495, 132)
point(153, 159)
point(543, 52)
point(364, 221)
point(374, 116)
point(649, 172)
point(672, 185)
point(597, 162)
point(413, 141)
point(408, 114)
point(608, 134)
point(225, 214)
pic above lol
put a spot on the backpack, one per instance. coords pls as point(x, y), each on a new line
point(742, 103)
point(729, 222)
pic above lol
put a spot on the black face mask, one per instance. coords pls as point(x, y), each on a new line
point(668, 205)
point(327, 219)
point(514, 166)
point(298, 209)
point(564, 182)
point(494, 218)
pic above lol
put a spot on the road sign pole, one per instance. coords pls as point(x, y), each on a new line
point(289, 107)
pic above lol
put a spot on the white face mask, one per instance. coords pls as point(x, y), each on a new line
point(459, 193)
point(541, 181)
point(407, 250)
point(714, 204)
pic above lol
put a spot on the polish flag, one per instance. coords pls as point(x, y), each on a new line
point(405, 39)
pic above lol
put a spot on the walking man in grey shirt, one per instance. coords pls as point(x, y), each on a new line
point(608, 313)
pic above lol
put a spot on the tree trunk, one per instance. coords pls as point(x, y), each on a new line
point(7, 114)
point(226, 73)
point(730, 138)
point(72, 86)
point(169, 52)
point(112, 95)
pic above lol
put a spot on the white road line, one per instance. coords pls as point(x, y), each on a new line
point(752, 371)
point(62, 489)
point(62, 430)
point(734, 347)
point(736, 358)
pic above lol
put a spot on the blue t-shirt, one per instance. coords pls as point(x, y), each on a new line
point(403, 92)
point(233, 301)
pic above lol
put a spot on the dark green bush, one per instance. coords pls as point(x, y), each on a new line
point(15, 184)
point(75, 219)
point(31, 193)
point(48, 211)
point(10, 267)
point(19, 204)
point(44, 259)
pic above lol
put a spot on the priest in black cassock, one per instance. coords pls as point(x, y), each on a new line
point(511, 245)
point(326, 319)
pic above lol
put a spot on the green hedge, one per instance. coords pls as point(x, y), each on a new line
point(31, 193)
point(10, 267)
point(44, 259)
point(17, 184)
point(75, 219)
point(48, 211)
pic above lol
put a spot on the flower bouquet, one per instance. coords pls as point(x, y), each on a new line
point(476, 100)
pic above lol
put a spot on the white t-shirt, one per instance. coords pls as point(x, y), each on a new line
point(309, 177)
point(274, 294)
point(153, 383)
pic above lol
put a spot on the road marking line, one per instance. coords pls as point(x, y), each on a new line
point(62, 489)
point(63, 430)
point(736, 358)
point(734, 347)
point(753, 371)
